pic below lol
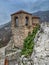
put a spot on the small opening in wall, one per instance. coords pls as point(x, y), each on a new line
point(17, 22)
point(26, 21)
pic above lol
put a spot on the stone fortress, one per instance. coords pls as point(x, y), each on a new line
point(22, 24)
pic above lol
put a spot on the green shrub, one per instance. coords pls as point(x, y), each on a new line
point(29, 42)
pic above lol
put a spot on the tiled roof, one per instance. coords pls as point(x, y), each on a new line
point(21, 11)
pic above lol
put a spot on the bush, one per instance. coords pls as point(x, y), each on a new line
point(29, 42)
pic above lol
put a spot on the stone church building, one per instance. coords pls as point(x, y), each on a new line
point(22, 23)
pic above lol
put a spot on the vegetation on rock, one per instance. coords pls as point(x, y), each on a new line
point(29, 42)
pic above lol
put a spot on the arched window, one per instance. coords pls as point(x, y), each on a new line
point(26, 21)
point(17, 22)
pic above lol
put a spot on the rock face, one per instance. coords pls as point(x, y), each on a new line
point(2, 55)
point(40, 55)
point(25, 61)
point(41, 49)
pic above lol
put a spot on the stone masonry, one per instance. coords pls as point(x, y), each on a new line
point(22, 23)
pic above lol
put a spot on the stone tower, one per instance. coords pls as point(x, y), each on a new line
point(22, 24)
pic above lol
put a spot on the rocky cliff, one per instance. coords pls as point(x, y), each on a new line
point(40, 54)
point(41, 48)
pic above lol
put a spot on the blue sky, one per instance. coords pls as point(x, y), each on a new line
point(7, 7)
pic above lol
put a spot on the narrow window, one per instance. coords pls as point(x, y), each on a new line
point(26, 21)
point(17, 21)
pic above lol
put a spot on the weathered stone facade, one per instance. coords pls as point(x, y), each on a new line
point(22, 23)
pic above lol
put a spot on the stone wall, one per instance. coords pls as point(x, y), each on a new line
point(19, 34)
point(21, 31)
point(21, 19)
